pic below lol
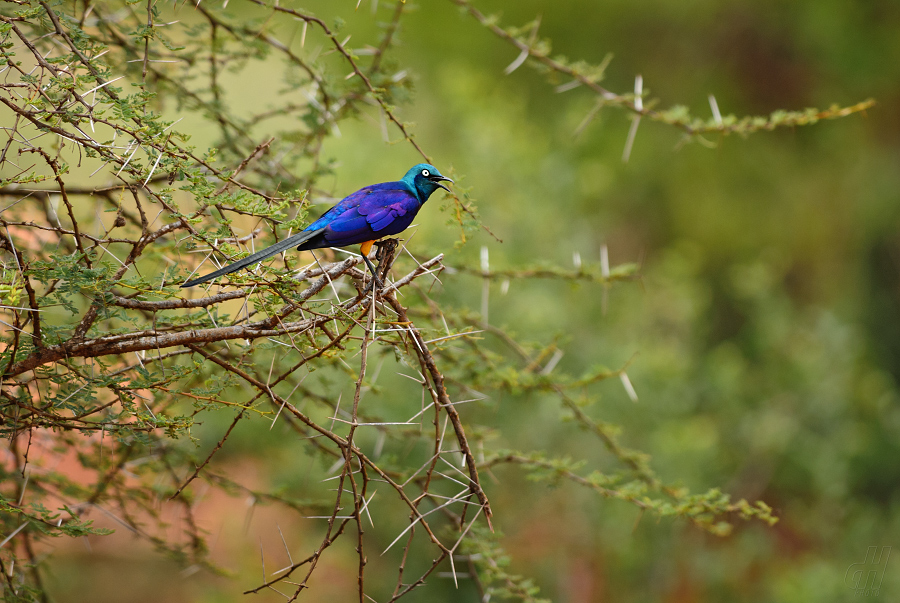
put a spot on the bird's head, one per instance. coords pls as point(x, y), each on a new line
point(424, 179)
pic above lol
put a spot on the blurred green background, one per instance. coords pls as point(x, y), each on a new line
point(766, 325)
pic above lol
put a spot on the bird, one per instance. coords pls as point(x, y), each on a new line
point(361, 218)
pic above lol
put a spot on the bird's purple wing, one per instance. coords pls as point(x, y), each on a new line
point(370, 213)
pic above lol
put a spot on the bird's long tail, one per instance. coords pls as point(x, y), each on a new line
point(292, 241)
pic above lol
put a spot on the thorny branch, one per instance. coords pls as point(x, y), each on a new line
point(531, 48)
point(118, 306)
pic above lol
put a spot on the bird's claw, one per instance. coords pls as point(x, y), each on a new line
point(372, 282)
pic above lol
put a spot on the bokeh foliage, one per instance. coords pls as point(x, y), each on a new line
point(751, 305)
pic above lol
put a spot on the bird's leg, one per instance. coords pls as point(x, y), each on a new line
point(385, 258)
point(385, 255)
point(365, 248)
point(375, 280)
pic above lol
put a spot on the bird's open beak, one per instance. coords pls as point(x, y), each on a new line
point(437, 179)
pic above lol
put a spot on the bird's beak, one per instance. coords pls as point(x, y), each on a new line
point(437, 179)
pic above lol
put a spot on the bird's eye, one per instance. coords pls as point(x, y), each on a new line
point(426, 173)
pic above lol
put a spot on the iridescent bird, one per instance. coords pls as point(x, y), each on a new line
point(373, 212)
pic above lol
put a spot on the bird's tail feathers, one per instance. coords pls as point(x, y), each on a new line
point(294, 240)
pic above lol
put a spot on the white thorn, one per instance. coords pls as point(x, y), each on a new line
point(715, 110)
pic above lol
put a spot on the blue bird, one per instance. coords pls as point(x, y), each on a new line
point(372, 212)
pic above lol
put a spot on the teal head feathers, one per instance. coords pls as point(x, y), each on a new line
point(424, 179)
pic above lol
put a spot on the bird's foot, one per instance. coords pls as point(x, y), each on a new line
point(372, 283)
